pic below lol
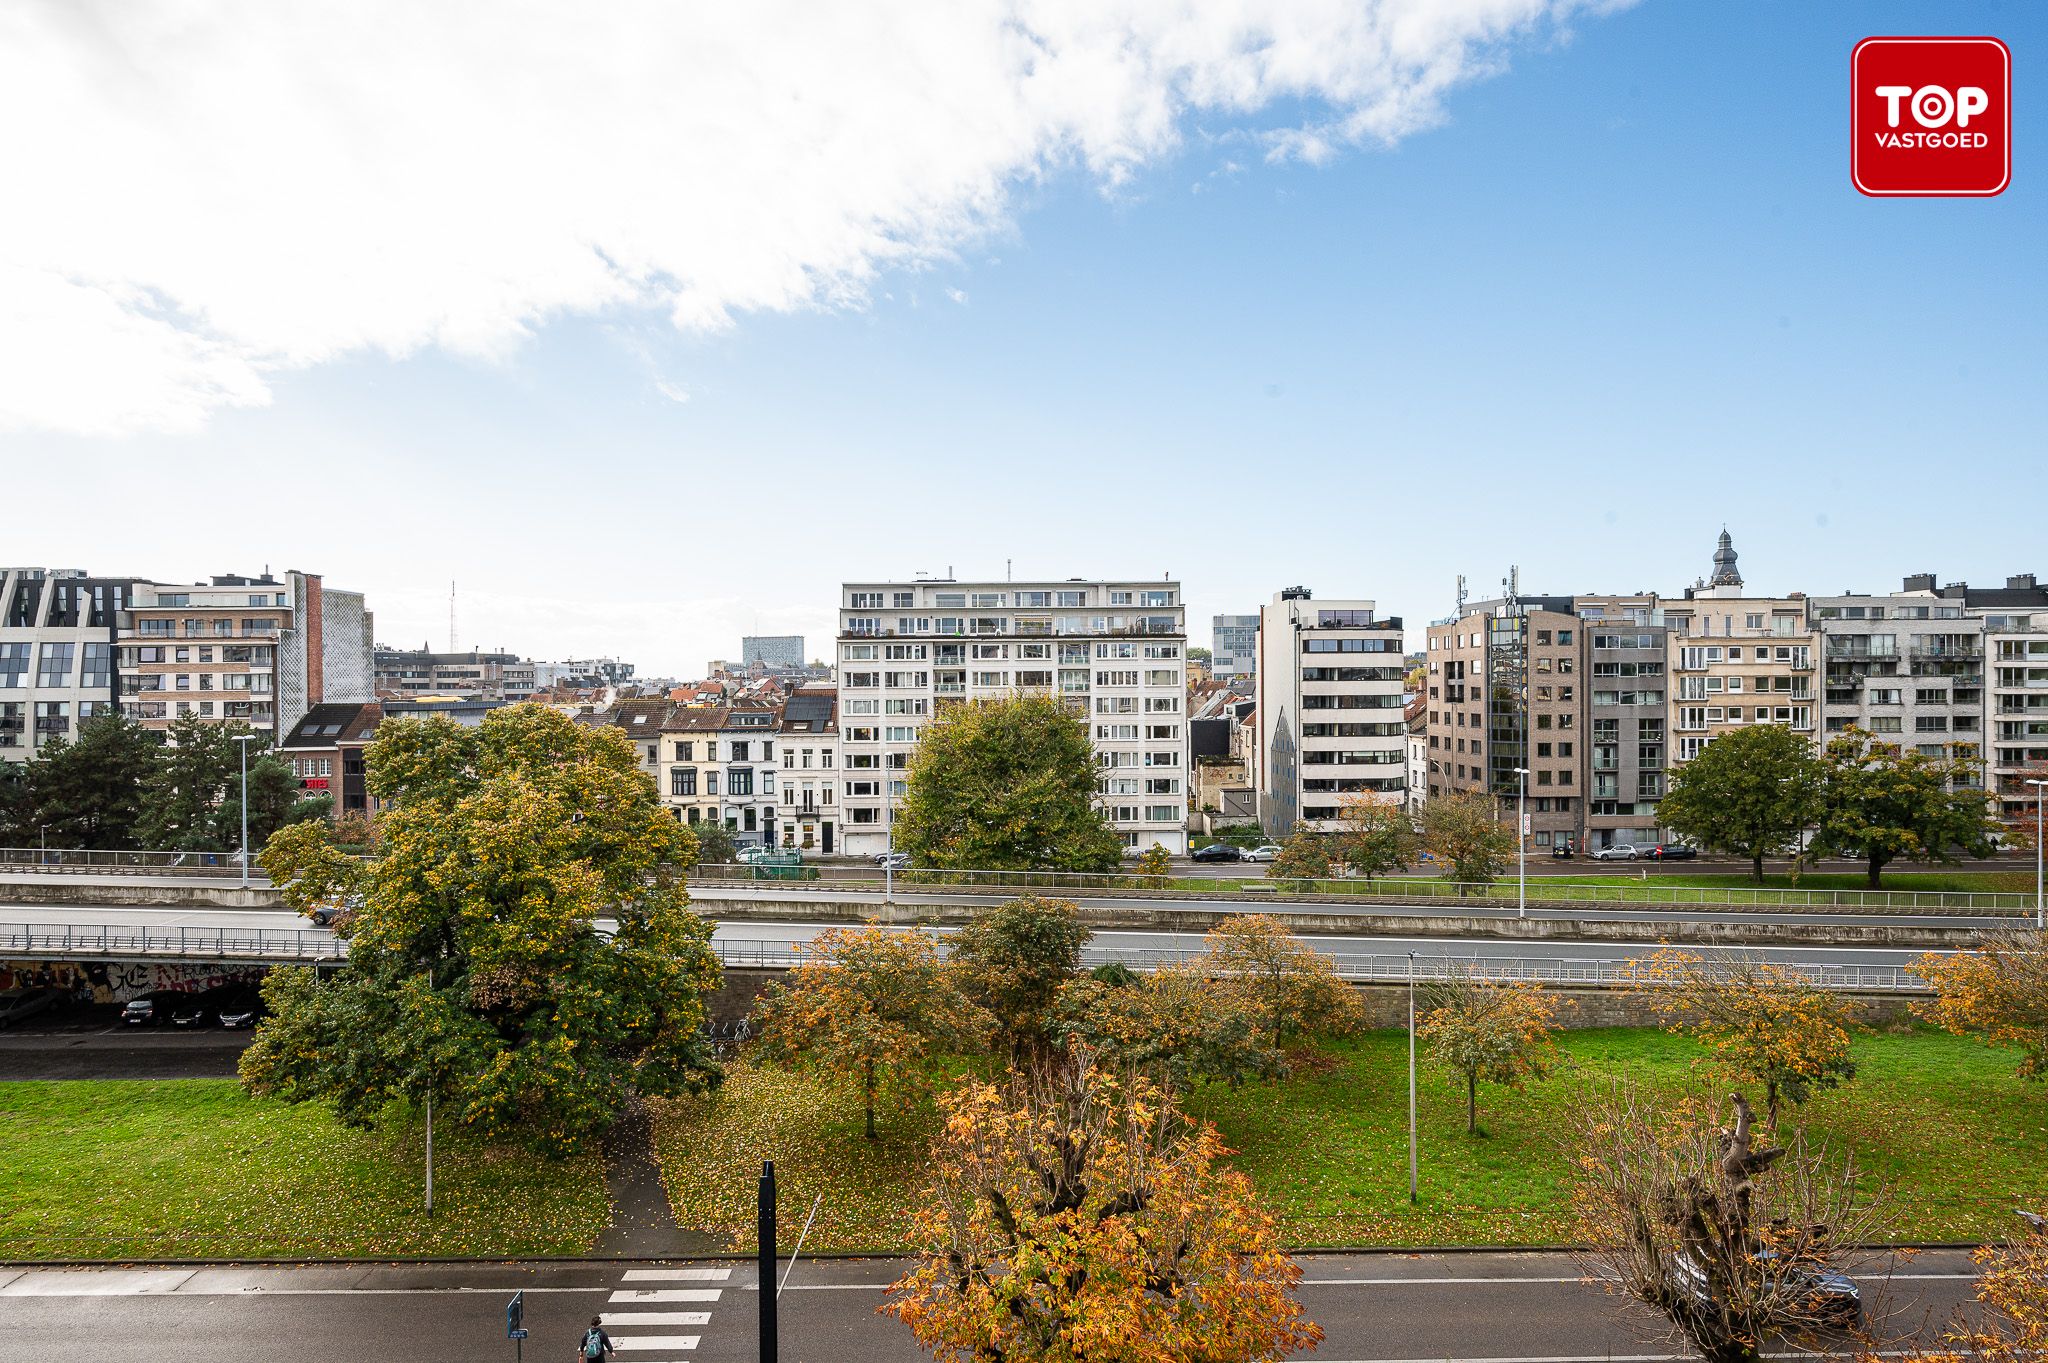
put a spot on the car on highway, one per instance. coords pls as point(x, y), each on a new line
point(19, 1005)
point(1265, 851)
point(152, 1009)
point(893, 861)
point(1621, 851)
point(1826, 1297)
point(1672, 851)
point(240, 1006)
point(1217, 851)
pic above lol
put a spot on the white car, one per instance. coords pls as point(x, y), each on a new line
point(1263, 852)
point(1621, 851)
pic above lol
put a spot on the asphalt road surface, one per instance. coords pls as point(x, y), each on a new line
point(1374, 1308)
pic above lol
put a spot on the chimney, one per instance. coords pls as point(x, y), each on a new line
point(1919, 582)
point(2020, 582)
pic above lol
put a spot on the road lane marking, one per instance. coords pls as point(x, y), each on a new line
point(677, 1275)
point(635, 1319)
point(685, 1342)
point(56, 1282)
point(668, 1294)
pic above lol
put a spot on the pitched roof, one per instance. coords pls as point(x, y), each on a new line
point(326, 726)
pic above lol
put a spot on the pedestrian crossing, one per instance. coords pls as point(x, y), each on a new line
point(643, 1315)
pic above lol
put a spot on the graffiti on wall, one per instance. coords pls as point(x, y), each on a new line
point(119, 981)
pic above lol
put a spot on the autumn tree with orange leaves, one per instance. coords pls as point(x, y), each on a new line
point(1488, 1029)
point(1078, 1216)
point(1292, 988)
point(2013, 1291)
point(871, 1005)
point(1766, 1024)
point(1998, 992)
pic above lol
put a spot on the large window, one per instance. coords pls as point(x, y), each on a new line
point(13, 666)
point(54, 667)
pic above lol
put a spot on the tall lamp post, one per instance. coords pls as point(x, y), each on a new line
point(1522, 843)
point(1412, 1161)
point(2040, 907)
point(244, 740)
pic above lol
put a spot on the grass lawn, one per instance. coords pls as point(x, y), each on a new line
point(1940, 1119)
point(193, 1168)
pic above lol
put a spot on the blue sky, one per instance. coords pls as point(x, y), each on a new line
point(1623, 294)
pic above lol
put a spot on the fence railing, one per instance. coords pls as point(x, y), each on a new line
point(73, 941)
point(1371, 967)
point(82, 860)
point(1645, 893)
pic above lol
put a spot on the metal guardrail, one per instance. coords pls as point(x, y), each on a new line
point(1541, 890)
point(116, 941)
point(82, 860)
point(1366, 967)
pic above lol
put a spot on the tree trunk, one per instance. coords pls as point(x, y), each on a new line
point(1716, 1349)
point(1471, 1104)
point(1756, 867)
point(868, 1090)
point(1876, 871)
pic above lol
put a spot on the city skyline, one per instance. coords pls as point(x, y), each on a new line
point(1570, 308)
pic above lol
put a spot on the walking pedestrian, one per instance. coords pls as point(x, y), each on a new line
point(597, 1345)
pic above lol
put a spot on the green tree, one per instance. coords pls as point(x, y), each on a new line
point(1461, 832)
point(1881, 804)
point(89, 792)
point(476, 970)
point(1013, 960)
point(1154, 862)
point(1378, 836)
point(873, 1005)
point(1178, 1024)
point(1006, 785)
point(1303, 858)
point(1749, 793)
point(275, 800)
point(716, 845)
point(1199, 655)
point(191, 778)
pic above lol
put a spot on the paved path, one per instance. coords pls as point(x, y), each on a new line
point(1375, 1308)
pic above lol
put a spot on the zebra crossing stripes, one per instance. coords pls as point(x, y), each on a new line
point(628, 1312)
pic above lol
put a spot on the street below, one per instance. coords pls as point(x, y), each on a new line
point(1374, 1308)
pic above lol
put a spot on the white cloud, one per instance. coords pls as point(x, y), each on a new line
point(201, 194)
point(958, 296)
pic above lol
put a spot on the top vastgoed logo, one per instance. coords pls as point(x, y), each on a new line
point(1930, 117)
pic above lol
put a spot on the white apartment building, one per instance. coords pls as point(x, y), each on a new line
point(1908, 668)
point(1331, 677)
point(808, 745)
point(1115, 652)
point(57, 664)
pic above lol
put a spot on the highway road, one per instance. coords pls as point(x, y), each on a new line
point(1374, 1308)
point(1137, 946)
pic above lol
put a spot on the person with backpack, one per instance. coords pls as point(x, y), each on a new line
point(597, 1345)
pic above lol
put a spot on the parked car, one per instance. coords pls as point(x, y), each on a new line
point(203, 1008)
point(1831, 1298)
point(894, 861)
point(752, 853)
point(1265, 851)
point(1218, 851)
point(1672, 851)
point(1561, 851)
point(18, 1005)
point(1621, 851)
point(240, 1007)
point(151, 1009)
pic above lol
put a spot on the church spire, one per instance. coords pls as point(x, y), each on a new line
point(1725, 574)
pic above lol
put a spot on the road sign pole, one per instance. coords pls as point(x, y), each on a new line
point(765, 1238)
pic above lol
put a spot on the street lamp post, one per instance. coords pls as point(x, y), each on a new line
point(244, 741)
point(1413, 1165)
point(1522, 844)
point(2040, 906)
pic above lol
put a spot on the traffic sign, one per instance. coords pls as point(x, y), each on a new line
point(515, 1316)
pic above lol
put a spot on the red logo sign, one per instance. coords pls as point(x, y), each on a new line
point(1930, 117)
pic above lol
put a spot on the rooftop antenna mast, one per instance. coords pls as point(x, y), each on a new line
point(451, 616)
point(1462, 593)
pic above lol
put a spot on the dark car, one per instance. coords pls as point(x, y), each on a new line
point(202, 1009)
point(152, 1009)
point(1561, 851)
point(240, 1006)
point(18, 1005)
point(1217, 851)
point(1672, 851)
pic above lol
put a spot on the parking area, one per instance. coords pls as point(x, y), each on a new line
point(90, 1041)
